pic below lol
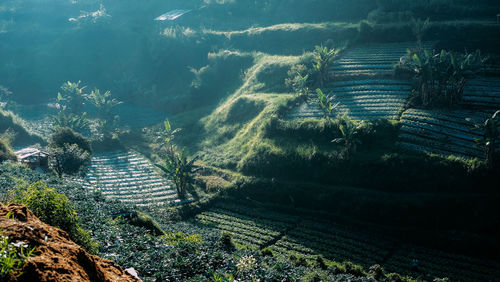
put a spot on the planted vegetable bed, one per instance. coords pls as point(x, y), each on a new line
point(287, 235)
point(372, 59)
point(442, 132)
point(482, 93)
point(129, 178)
point(360, 99)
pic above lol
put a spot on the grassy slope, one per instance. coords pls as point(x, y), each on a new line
point(404, 189)
point(11, 123)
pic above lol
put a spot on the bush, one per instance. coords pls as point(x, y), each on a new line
point(54, 209)
point(67, 136)
point(69, 152)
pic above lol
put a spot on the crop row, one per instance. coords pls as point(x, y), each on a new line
point(447, 133)
point(409, 259)
point(129, 178)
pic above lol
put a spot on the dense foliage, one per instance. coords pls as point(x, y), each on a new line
point(69, 152)
point(440, 77)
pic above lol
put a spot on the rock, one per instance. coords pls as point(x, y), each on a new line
point(56, 257)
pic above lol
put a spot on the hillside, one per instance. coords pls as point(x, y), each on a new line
point(318, 140)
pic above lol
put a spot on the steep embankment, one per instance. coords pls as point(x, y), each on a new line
point(56, 257)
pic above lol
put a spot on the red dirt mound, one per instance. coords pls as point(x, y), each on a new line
point(56, 258)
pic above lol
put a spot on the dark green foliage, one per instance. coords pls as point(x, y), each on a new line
point(177, 166)
point(325, 103)
point(55, 209)
point(491, 136)
point(349, 131)
point(142, 219)
point(323, 60)
point(65, 119)
point(298, 79)
point(226, 242)
point(440, 77)
point(6, 151)
point(104, 103)
point(71, 98)
point(320, 262)
point(377, 271)
point(67, 136)
point(69, 152)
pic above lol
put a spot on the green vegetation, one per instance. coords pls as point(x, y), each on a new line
point(277, 192)
point(323, 60)
point(177, 166)
point(69, 152)
point(55, 209)
point(349, 132)
point(491, 136)
point(12, 127)
point(12, 258)
point(5, 150)
point(440, 76)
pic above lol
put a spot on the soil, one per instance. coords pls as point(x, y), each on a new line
point(56, 257)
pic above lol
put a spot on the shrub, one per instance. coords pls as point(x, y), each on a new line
point(69, 152)
point(226, 241)
point(54, 209)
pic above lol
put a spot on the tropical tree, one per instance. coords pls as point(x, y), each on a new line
point(177, 165)
point(103, 102)
point(440, 77)
point(71, 97)
point(323, 60)
point(349, 135)
point(76, 122)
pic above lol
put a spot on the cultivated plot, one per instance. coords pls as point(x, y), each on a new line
point(129, 178)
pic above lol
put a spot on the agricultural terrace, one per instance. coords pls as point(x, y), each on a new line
point(287, 235)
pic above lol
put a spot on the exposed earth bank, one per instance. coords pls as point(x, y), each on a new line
point(56, 257)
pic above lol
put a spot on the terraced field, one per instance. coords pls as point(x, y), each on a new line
point(415, 260)
point(445, 133)
point(482, 93)
point(287, 235)
point(129, 178)
point(372, 59)
point(361, 99)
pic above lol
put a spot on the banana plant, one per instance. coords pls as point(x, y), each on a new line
point(103, 102)
point(71, 97)
point(177, 166)
point(440, 77)
point(323, 59)
point(76, 122)
point(491, 136)
point(350, 135)
point(325, 102)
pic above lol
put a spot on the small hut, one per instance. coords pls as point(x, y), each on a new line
point(34, 158)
